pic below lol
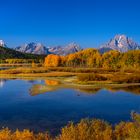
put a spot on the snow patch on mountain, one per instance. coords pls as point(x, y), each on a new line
point(2, 43)
point(121, 43)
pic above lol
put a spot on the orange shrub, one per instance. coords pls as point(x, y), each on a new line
point(52, 60)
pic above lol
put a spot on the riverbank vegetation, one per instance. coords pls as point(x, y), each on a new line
point(93, 59)
point(87, 75)
point(81, 75)
point(86, 129)
point(118, 78)
point(87, 58)
point(89, 66)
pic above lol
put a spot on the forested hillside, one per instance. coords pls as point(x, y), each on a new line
point(7, 53)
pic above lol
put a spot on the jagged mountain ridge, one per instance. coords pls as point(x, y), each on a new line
point(33, 48)
point(121, 43)
point(38, 48)
point(70, 48)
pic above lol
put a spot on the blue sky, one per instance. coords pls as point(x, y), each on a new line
point(59, 22)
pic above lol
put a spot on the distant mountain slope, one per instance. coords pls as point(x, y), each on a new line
point(6, 53)
point(70, 48)
point(38, 48)
point(121, 43)
point(33, 48)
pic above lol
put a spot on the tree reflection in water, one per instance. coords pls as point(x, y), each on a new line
point(52, 85)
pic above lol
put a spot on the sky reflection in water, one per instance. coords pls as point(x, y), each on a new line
point(48, 105)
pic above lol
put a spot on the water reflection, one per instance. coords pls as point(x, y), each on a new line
point(53, 85)
point(60, 102)
point(52, 82)
point(2, 82)
point(40, 87)
point(49, 85)
point(89, 90)
point(135, 89)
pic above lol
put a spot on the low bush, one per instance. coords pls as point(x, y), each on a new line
point(91, 77)
point(22, 70)
point(81, 70)
point(132, 78)
point(6, 134)
point(86, 129)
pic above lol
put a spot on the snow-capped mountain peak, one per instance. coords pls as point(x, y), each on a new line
point(38, 48)
point(2, 43)
point(121, 43)
point(33, 48)
point(65, 50)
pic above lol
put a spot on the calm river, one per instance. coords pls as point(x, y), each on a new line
point(42, 105)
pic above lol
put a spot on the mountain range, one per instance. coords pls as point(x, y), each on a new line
point(38, 48)
point(70, 48)
point(121, 43)
point(32, 48)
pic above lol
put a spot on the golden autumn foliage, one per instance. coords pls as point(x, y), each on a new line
point(87, 130)
point(92, 58)
point(6, 134)
point(91, 77)
point(100, 130)
point(22, 61)
point(84, 130)
point(52, 82)
point(33, 64)
point(52, 61)
point(110, 59)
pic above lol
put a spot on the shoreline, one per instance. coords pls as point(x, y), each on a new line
point(66, 79)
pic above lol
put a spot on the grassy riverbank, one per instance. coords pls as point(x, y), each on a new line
point(84, 76)
point(90, 81)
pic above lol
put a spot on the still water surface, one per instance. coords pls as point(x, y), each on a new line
point(23, 106)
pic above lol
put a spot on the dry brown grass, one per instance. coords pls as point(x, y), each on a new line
point(24, 70)
point(49, 74)
point(89, 75)
point(125, 78)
